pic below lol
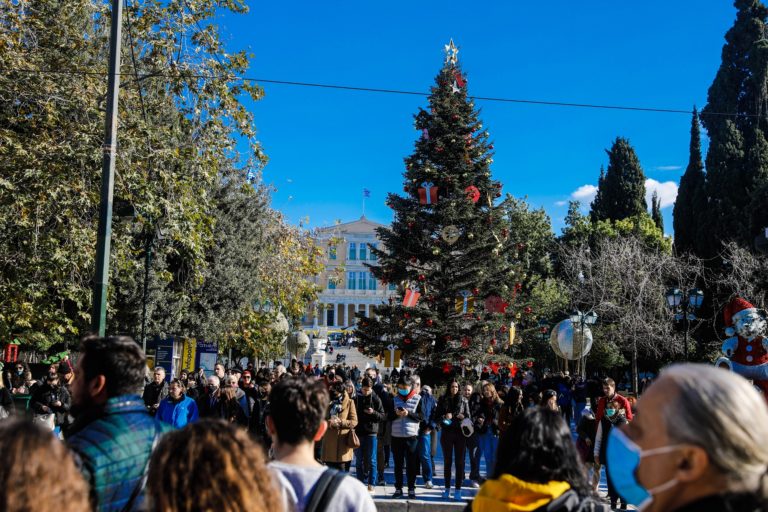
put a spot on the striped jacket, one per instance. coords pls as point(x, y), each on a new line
point(112, 447)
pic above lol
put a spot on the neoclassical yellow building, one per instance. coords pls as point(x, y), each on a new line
point(347, 284)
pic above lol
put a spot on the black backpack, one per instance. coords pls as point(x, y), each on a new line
point(324, 490)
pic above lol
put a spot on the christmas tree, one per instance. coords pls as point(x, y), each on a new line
point(449, 249)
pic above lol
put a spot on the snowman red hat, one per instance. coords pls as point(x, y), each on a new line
point(736, 310)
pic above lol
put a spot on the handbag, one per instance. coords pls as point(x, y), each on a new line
point(352, 440)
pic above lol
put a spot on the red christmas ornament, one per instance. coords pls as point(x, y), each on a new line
point(498, 194)
point(495, 304)
point(504, 328)
point(413, 259)
point(407, 341)
point(455, 117)
point(428, 193)
point(518, 287)
point(473, 193)
point(460, 80)
point(407, 316)
point(513, 370)
point(529, 364)
point(520, 246)
point(447, 367)
point(493, 342)
point(527, 310)
point(411, 224)
point(475, 291)
point(465, 342)
point(494, 367)
point(543, 330)
point(429, 322)
point(439, 149)
point(422, 277)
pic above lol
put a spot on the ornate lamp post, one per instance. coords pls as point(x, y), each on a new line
point(582, 320)
point(683, 305)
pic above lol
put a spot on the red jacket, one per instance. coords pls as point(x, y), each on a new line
point(622, 400)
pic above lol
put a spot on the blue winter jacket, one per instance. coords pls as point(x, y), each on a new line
point(428, 405)
point(178, 413)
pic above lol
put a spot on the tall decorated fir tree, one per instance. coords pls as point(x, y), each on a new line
point(449, 249)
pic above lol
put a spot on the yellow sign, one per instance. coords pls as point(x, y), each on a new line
point(188, 352)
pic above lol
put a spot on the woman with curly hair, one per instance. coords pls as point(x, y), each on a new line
point(210, 465)
point(37, 472)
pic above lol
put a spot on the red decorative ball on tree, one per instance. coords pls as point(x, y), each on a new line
point(475, 291)
point(504, 328)
point(407, 316)
point(414, 259)
point(447, 367)
point(529, 364)
point(455, 117)
point(422, 277)
point(407, 341)
point(429, 322)
point(465, 342)
point(411, 224)
point(493, 342)
point(527, 310)
point(473, 193)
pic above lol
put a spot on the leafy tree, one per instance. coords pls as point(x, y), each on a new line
point(656, 211)
point(691, 202)
point(622, 188)
point(182, 116)
point(453, 155)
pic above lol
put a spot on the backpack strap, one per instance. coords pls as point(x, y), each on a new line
point(324, 490)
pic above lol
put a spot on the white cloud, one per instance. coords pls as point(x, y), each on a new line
point(667, 192)
point(561, 203)
point(585, 193)
point(668, 167)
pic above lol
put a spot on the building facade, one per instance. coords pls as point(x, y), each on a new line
point(347, 284)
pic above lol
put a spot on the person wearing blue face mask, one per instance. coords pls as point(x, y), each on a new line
point(698, 443)
point(406, 416)
point(614, 416)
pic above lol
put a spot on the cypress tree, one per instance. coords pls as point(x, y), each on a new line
point(622, 189)
point(736, 156)
point(598, 204)
point(656, 211)
point(691, 201)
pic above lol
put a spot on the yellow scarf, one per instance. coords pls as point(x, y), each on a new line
point(508, 494)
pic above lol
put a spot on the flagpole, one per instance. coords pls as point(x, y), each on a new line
point(363, 203)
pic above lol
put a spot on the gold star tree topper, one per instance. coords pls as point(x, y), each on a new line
point(451, 53)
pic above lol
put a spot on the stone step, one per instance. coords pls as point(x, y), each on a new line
point(383, 505)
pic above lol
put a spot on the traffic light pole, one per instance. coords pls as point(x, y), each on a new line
point(101, 276)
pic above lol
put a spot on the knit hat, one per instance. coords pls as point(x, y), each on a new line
point(736, 309)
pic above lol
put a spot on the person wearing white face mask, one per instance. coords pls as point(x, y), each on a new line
point(699, 443)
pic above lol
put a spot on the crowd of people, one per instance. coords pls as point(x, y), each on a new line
point(286, 438)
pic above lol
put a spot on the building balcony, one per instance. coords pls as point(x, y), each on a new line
point(342, 292)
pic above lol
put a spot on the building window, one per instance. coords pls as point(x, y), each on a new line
point(392, 287)
point(373, 256)
point(352, 251)
point(331, 283)
point(361, 280)
point(351, 280)
point(371, 282)
point(332, 252)
point(363, 251)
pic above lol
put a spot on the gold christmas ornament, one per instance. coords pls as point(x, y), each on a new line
point(450, 234)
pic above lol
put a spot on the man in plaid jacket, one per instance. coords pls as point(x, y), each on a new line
point(113, 434)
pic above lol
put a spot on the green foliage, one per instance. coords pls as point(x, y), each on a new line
point(490, 258)
point(621, 190)
point(691, 202)
point(737, 153)
point(177, 165)
point(656, 211)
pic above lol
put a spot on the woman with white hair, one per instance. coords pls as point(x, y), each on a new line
point(699, 443)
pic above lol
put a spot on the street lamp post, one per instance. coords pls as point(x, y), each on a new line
point(582, 320)
point(683, 305)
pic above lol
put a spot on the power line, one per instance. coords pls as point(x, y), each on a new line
point(183, 75)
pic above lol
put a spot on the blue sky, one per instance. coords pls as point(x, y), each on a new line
point(325, 146)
